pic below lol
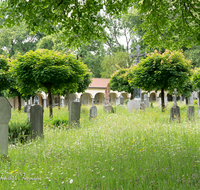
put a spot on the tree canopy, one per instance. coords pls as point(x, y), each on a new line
point(80, 20)
point(50, 71)
point(170, 23)
point(165, 71)
point(120, 81)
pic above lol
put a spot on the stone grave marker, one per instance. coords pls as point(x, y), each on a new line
point(121, 99)
point(36, 120)
point(5, 116)
point(74, 114)
point(93, 112)
point(190, 100)
point(190, 112)
point(146, 102)
point(26, 108)
point(133, 105)
point(175, 110)
point(108, 108)
point(159, 101)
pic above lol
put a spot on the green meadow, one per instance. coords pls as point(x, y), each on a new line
point(122, 150)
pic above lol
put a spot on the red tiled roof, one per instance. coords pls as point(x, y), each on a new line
point(99, 83)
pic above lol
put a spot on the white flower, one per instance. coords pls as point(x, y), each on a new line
point(103, 176)
point(71, 181)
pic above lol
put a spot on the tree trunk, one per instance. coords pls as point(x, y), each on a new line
point(59, 101)
point(132, 96)
point(162, 99)
point(19, 103)
point(50, 102)
point(186, 100)
point(33, 100)
point(68, 99)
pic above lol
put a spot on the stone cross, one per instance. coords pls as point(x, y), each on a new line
point(137, 92)
point(175, 93)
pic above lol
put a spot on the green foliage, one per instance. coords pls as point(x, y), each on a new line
point(196, 79)
point(170, 24)
point(18, 131)
point(193, 54)
point(4, 73)
point(120, 81)
point(126, 101)
point(50, 71)
point(112, 63)
point(58, 122)
point(162, 71)
point(17, 39)
point(195, 102)
point(80, 21)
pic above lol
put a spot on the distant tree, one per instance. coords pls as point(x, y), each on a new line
point(120, 81)
point(18, 39)
point(4, 74)
point(112, 63)
point(194, 55)
point(49, 71)
point(92, 55)
point(165, 71)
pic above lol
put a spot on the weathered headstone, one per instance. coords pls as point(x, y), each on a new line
point(117, 101)
point(107, 95)
point(142, 106)
point(93, 112)
point(175, 110)
point(5, 116)
point(36, 120)
point(165, 101)
point(121, 99)
point(146, 102)
point(26, 108)
point(74, 113)
point(181, 99)
point(190, 100)
point(133, 105)
point(108, 108)
point(175, 113)
point(190, 112)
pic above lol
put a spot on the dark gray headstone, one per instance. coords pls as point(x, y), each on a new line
point(93, 112)
point(5, 116)
point(175, 114)
point(74, 113)
point(108, 108)
point(36, 120)
point(190, 112)
point(142, 106)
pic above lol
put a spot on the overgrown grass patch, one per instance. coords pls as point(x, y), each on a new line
point(122, 150)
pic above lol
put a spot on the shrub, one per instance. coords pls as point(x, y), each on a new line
point(18, 131)
point(126, 101)
point(195, 102)
point(60, 121)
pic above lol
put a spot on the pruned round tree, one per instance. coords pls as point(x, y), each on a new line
point(4, 74)
point(162, 71)
point(120, 81)
point(49, 71)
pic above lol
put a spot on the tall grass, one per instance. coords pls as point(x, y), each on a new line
point(122, 150)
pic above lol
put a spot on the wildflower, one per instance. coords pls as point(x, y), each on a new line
point(71, 181)
point(103, 176)
point(155, 150)
point(143, 139)
point(121, 154)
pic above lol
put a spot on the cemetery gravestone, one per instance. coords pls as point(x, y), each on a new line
point(175, 110)
point(121, 98)
point(190, 100)
point(107, 95)
point(190, 112)
point(36, 120)
point(5, 116)
point(108, 108)
point(74, 113)
point(93, 112)
point(26, 108)
point(133, 105)
point(146, 102)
